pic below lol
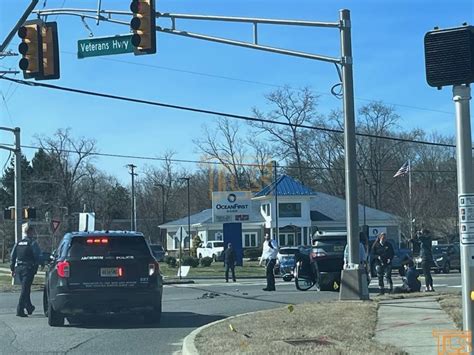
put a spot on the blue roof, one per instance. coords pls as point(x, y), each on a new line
point(202, 217)
point(286, 186)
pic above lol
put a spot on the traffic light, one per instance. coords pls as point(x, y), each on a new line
point(27, 213)
point(143, 25)
point(449, 56)
point(8, 214)
point(39, 48)
point(50, 44)
point(31, 49)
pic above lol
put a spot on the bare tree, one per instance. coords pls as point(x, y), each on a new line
point(226, 146)
point(294, 108)
point(71, 157)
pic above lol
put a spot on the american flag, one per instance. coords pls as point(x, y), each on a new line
point(404, 169)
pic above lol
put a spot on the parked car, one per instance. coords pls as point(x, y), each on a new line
point(445, 258)
point(328, 251)
point(213, 249)
point(102, 272)
point(286, 262)
point(158, 252)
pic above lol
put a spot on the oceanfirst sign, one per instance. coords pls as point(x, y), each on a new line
point(231, 206)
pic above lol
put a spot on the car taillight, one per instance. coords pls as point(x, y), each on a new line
point(63, 269)
point(317, 253)
point(153, 268)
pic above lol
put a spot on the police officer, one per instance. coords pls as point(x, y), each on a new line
point(384, 253)
point(24, 263)
point(423, 238)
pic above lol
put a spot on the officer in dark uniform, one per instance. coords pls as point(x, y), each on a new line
point(24, 263)
point(384, 253)
point(423, 238)
point(229, 260)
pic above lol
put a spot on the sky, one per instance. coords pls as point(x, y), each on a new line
point(388, 57)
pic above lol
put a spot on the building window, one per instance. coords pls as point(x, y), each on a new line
point(289, 210)
point(266, 209)
point(287, 239)
point(249, 240)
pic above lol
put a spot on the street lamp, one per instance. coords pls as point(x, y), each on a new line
point(189, 212)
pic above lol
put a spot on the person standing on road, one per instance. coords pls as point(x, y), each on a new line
point(25, 258)
point(269, 256)
point(383, 251)
point(423, 238)
point(229, 261)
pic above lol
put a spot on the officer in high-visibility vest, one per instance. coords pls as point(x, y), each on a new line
point(24, 263)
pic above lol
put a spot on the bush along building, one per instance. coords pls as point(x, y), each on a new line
point(301, 213)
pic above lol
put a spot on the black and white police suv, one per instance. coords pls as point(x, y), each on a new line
point(100, 273)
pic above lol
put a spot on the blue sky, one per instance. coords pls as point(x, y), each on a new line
point(388, 65)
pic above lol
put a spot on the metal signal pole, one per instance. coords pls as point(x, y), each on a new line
point(461, 98)
point(18, 200)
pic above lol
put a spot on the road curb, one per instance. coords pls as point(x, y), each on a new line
point(188, 343)
point(178, 282)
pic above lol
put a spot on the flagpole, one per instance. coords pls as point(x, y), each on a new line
point(410, 212)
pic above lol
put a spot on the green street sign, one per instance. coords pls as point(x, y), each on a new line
point(94, 47)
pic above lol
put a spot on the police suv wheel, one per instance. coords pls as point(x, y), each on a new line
point(45, 302)
point(153, 317)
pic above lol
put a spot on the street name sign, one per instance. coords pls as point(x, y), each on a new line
point(94, 47)
point(466, 218)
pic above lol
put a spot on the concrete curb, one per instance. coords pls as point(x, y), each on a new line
point(188, 343)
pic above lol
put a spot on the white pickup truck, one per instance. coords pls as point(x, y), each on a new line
point(212, 249)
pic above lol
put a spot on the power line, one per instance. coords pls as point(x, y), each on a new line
point(216, 113)
point(137, 157)
point(224, 77)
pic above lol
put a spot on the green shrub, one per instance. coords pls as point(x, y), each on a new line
point(252, 253)
point(206, 261)
point(170, 260)
point(190, 261)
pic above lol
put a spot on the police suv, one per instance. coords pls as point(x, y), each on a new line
point(102, 272)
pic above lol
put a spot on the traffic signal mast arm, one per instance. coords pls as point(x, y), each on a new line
point(106, 15)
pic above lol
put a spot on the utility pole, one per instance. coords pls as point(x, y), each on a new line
point(189, 210)
point(18, 197)
point(163, 219)
point(17, 183)
point(275, 193)
point(353, 280)
point(133, 219)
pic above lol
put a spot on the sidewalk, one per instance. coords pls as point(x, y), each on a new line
point(409, 323)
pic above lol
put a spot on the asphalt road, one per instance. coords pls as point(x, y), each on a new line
point(185, 307)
